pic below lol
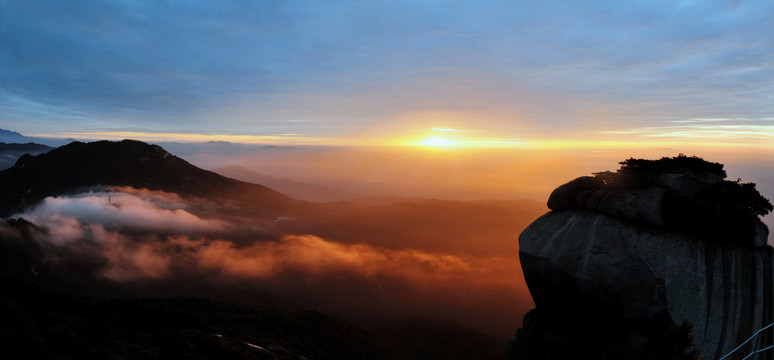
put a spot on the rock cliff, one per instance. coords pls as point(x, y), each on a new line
point(611, 269)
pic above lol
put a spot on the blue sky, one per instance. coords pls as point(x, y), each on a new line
point(335, 70)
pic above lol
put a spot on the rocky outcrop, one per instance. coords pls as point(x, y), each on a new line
point(687, 203)
point(645, 205)
point(574, 258)
point(608, 263)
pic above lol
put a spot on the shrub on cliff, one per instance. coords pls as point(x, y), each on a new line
point(708, 206)
point(637, 174)
point(677, 164)
point(641, 173)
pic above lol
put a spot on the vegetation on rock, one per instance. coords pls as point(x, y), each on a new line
point(704, 204)
point(641, 173)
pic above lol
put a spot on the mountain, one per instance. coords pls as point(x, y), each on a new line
point(79, 166)
point(663, 259)
point(13, 137)
point(9, 153)
point(295, 189)
point(8, 136)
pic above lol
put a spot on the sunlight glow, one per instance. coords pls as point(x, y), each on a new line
point(437, 141)
point(447, 130)
point(704, 135)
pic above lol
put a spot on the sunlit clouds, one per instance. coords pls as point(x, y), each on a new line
point(721, 132)
point(140, 210)
point(111, 219)
point(151, 239)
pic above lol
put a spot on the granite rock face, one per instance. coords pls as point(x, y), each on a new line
point(662, 259)
point(632, 270)
point(701, 204)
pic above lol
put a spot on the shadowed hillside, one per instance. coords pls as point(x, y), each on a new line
point(78, 166)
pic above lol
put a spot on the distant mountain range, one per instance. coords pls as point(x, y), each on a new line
point(13, 137)
point(8, 136)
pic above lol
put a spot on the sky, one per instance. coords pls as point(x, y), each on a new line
point(386, 72)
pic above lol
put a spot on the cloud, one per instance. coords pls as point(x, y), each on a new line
point(357, 281)
point(155, 243)
point(316, 256)
point(125, 236)
point(147, 258)
point(69, 217)
point(130, 260)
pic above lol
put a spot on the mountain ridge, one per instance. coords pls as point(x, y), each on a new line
point(12, 136)
point(78, 166)
point(11, 152)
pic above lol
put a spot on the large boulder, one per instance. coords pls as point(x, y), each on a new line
point(586, 192)
point(572, 259)
point(627, 263)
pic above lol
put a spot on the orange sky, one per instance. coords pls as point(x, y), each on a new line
point(460, 130)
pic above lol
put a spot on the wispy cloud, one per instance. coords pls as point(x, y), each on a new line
point(283, 139)
point(541, 68)
point(740, 132)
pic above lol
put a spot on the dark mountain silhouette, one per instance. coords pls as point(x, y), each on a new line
point(10, 153)
point(26, 147)
point(79, 166)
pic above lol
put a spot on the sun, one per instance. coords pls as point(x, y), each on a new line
point(436, 141)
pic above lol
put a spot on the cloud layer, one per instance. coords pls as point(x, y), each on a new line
point(156, 241)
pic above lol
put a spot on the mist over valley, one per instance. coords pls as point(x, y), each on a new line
point(127, 220)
